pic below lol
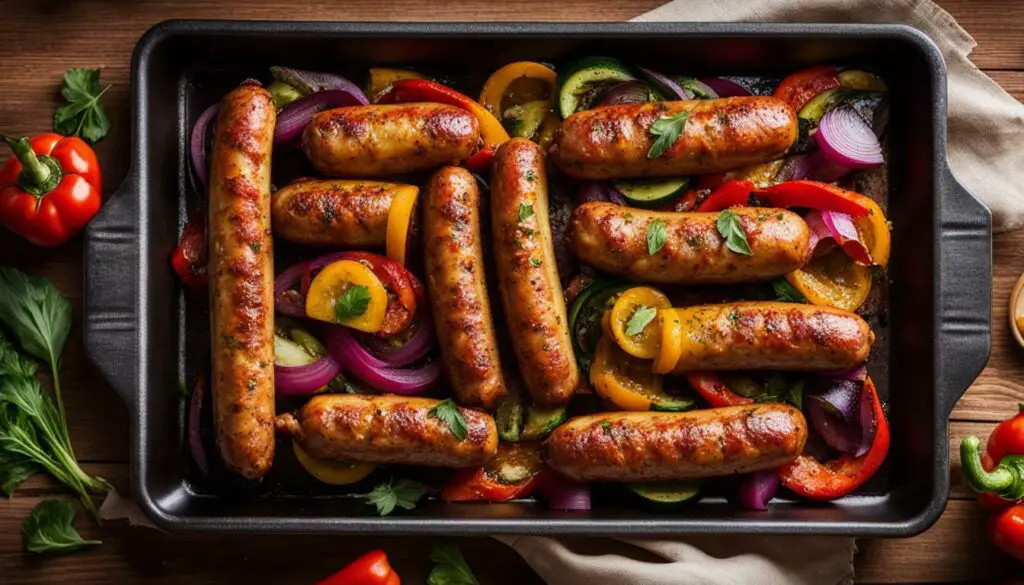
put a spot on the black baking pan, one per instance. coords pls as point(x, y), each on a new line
point(145, 336)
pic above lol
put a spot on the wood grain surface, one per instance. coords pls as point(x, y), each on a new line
point(41, 38)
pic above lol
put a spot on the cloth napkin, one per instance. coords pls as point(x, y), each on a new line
point(986, 153)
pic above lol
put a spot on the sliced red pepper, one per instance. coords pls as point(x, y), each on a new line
point(484, 484)
point(833, 479)
point(801, 87)
point(732, 193)
point(714, 390)
point(812, 195)
point(424, 90)
point(189, 258)
point(372, 568)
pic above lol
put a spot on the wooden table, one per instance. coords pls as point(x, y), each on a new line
point(42, 38)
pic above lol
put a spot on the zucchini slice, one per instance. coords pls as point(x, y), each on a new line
point(585, 81)
point(541, 421)
point(652, 192)
point(666, 496)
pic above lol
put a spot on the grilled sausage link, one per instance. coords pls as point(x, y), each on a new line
point(771, 336)
point(458, 290)
point(241, 267)
point(663, 446)
point(379, 140)
point(388, 429)
point(334, 213)
point(528, 274)
point(614, 142)
point(614, 239)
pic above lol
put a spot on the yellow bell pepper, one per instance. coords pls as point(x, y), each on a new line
point(400, 216)
point(498, 85)
point(332, 472)
point(874, 231)
point(349, 293)
point(381, 79)
point(622, 379)
point(833, 280)
point(671, 348)
point(643, 343)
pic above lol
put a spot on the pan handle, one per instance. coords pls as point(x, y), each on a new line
point(112, 289)
point(965, 298)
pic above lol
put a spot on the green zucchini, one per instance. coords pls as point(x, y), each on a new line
point(584, 82)
point(282, 93)
point(541, 421)
point(522, 121)
point(585, 318)
point(652, 192)
point(666, 496)
point(830, 100)
point(670, 403)
point(509, 416)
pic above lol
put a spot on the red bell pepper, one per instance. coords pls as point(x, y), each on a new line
point(998, 476)
point(733, 193)
point(801, 87)
point(425, 90)
point(370, 569)
point(833, 479)
point(1006, 531)
point(813, 195)
point(714, 391)
point(490, 483)
point(189, 258)
point(50, 188)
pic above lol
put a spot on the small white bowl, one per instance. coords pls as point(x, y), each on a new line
point(1017, 309)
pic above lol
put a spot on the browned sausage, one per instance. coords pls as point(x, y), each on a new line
point(379, 140)
point(771, 336)
point(528, 275)
point(663, 446)
point(458, 289)
point(614, 239)
point(388, 429)
point(345, 213)
point(614, 141)
point(241, 267)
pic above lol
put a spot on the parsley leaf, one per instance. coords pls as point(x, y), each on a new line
point(795, 394)
point(352, 303)
point(607, 426)
point(451, 568)
point(655, 236)
point(639, 321)
point(403, 493)
point(35, 312)
point(668, 129)
point(49, 528)
point(786, 292)
point(83, 115)
point(525, 212)
point(535, 262)
point(731, 229)
point(14, 469)
point(449, 414)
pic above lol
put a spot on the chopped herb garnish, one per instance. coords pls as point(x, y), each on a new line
point(525, 212)
point(531, 176)
point(730, 227)
point(639, 321)
point(655, 236)
point(403, 493)
point(786, 292)
point(448, 413)
point(607, 426)
point(668, 129)
point(352, 303)
point(535, 262)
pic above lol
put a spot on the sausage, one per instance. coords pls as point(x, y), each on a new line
point(378, 140)
point(241, 268)
point(613, 142)
point(614, 239)
point(334, 213)
point(664, 446)
point(772, 336)
point(388, 429)
point(458, 289)
point(528, 274)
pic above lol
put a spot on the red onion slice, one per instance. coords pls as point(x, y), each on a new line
point(314, 81)
point(562, 493)
point(664, 84)
point(197, 143)
point(838, 227)
point(847, 140)
point(370, 370)
point(288, 300)
point(627, 92)
point(725, 87)
point(413, 350)
point(195, 437)
point(294, 117)
point(757, 489)
point(600, 191)
point(838, 414)
point(307, 379)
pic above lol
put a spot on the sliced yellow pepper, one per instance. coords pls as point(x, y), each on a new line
point(381, 79)
point(863, 80)
point(403, 209)
point(546, 135)
point(622, 379)
point(332, 472)
point(642, 344)
point(499, 85)
point(334, 297)
point(874, 231)
point(833, 279)
point(671, 348)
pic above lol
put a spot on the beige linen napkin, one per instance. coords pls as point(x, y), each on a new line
point(986, 152)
